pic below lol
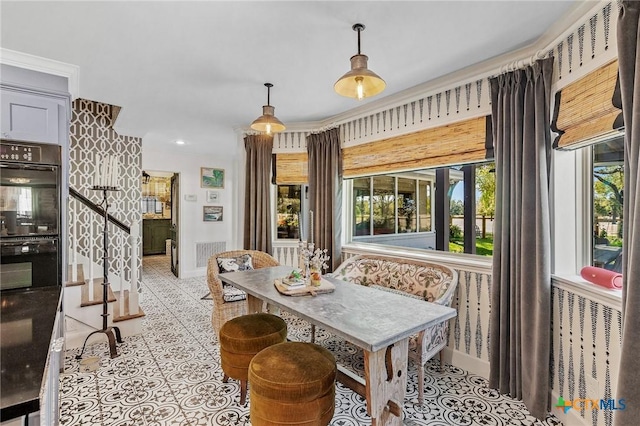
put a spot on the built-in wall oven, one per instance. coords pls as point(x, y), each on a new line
point(29, 215)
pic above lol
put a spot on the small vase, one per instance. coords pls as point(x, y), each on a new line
point(315, 277)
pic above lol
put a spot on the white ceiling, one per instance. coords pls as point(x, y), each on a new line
point(195, 70)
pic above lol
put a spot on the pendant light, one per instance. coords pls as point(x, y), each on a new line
point(267, 122)
point(360, 82)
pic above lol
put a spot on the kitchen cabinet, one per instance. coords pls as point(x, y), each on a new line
point(29, 117)
point(155, 233)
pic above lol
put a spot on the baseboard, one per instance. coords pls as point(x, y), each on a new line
point(470, 363)
point(571, 418)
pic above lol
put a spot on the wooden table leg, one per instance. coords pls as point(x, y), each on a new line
point(386, 383)
point(254, 304)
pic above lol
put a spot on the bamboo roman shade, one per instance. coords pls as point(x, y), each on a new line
point(462, 142)
point(290, 169)
point(588, 109)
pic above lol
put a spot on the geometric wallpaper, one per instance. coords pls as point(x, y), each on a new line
point(587, 339)
point(92, 133)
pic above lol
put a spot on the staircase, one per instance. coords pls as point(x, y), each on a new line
point(83, 293)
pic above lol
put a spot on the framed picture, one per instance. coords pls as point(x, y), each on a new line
point(213, 196)
point(212, 213)
point(211, 178)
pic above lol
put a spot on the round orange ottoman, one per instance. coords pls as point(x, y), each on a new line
point(243, 337)
point(292, 383)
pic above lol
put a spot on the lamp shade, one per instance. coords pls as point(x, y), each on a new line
point(268, 122)
point(360, 82)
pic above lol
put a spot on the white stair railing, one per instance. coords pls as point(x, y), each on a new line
point(134, 238)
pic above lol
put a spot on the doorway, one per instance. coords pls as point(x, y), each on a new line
point(160, 223)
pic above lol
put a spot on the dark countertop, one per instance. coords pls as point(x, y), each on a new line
point(27, 319)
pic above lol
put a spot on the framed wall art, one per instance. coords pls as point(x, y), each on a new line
point(212, 213)
point(211, 178)
point(213, 196)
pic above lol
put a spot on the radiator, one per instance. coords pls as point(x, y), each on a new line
point(205, 250)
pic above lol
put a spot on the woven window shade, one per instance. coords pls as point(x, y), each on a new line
point(458, 143)
point(291, 169)
point(587, 110)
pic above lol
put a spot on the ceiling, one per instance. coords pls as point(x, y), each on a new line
point(195, 70)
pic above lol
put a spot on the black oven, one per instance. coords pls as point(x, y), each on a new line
point(29, 262)
point(29, 215)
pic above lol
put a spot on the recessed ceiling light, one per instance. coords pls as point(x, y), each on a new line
point(180, 142)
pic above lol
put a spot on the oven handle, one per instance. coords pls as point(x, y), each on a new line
point(26, 243)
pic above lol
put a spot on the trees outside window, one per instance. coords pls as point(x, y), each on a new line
point(288, 201)
point(608, 201)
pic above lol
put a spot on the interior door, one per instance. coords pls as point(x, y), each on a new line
point(175, 199)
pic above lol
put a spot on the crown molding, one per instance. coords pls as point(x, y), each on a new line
point(44, 65)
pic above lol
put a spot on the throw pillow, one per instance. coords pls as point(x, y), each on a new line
point(234, 264)
point(232, 294)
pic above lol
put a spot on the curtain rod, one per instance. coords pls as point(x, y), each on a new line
point(519, 63)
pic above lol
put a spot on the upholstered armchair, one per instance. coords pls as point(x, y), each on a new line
point(229, 302)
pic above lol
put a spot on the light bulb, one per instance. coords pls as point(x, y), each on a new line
point(268, 128)
point(359, 88)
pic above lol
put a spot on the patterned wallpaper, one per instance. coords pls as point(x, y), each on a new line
point(470, 331)
point(591, 44)
point(587, 339)
point(92, 133)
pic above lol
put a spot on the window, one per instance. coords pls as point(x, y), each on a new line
point(362, 206)
point(288, 202)
point(424, 205)
point(607, 201)
point(389, 209)
point(407, 207)
point(400, 209)
point(384, 205)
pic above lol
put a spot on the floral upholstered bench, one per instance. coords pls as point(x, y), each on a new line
point(427, 281)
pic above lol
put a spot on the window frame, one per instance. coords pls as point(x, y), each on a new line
point(304, 207)
point(348, 236)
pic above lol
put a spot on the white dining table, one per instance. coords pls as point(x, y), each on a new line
point(377, 321)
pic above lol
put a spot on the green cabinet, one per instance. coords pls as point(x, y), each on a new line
point(155, 233)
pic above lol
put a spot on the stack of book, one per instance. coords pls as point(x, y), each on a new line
point(291, 283)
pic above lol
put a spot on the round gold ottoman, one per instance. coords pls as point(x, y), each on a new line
point(292, 383)
point(243, 337)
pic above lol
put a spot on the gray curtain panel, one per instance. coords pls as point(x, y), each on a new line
point(325, 191)
point(520, 338)
point(257, 204)
point(629, 71)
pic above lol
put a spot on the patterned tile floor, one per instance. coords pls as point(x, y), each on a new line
point(171, 375)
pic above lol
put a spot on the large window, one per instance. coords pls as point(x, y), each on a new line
point(385, 205)
point(607, 196)
point(400, 209)
point(288, 202)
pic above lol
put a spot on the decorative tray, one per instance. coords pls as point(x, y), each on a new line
point(324, 287)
